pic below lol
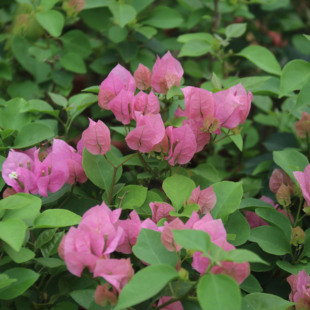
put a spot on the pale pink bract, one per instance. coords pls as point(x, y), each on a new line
point(303, 178)
point(143, 76)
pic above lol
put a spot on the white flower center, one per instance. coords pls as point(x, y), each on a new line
point(13, 175)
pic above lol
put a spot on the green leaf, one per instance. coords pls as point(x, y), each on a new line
point(178, 188)
point(5, 71)
point(50, 262)
point(117, 34)
point(241, 255)
point(164, 17)
point(150, 249)
point(235, 30)
point(56, 218)
point(5, 280)
point(99, 171)
point(195, 48)
point(294, 76)
point(148, 32)
point(199, 36)
point(252, 203)
point(145, 284)
point(76, 40)
point(25, 279)
point(78, 103)
point(58, 99)
point(238, 225)
point(73, 62)
point(262, 58)
point(37, 105)
point(83, 297)
point(48, 4)
point(13, 231)
point(20, 201)
point(271, 240)
point(228, 198)
point(52, 21)
point(294, 269)
point(218, 292)
point(123, 13)
point(140, 5)
point(238, 141)
point(21, 256)
point(251, 285)
point(32, 134)
point(131, 196)
point(190, 239)
point(289, 161)
point(262, 301)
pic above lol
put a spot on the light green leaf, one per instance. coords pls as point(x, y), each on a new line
point(131, 196)
point(32, 134)
point(195, 48)
point(73, 62)
point(262, 58)
point(150, 249)
point(262, 301)
point(235, 30)
point(76, 40)
point(294, 76)
point(56, 218)
point(145, 284)
point(21, 256)
point(52, 21)
point(218, 292)
point(123, 13)
point(58, 99)
point(178, 188)
point(164, 17)
point(148, 32)
point(25, 278)
point(198, 36)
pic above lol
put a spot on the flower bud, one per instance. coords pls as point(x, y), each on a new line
point(302, 126)
point(298, 236)
point(143, 77)
point(283, 195)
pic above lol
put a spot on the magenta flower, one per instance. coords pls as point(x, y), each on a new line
point(166, 72)
point(119, 78)
point(145, 103)
point(182, 144)
point(232, 106)
point(149, 131)
point(303, 178)
point(198, 103)
point(205, 198)
point(97, 138)
point(300, 294)
point(161, 210)
point(143, 77)
point(120, 104)
point(116, 271)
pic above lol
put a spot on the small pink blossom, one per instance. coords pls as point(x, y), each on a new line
point(198, 103)
point(150, 130)
point(161, 210)
point(167, 235)
point(144, 103)
point(166, 72)
point(119, 78)
point(232, 106)
point(97, 138)
point(104, 296)
point(143, 77)
point(120, 104)
point(302, 126)
point(205, 198)
point(300, 294)
point(177, 305)
point(116, 271)
point(303, 178)
point(182, 145)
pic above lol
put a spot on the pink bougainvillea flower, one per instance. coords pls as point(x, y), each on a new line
point(166, 72)
point(161, 210)
point(120, 106)
point(183, 145)
point(119, 78)
point(232, 106)
point(150, 130)
point(302, 126)
point(303, 178)
point(116, 271)
point(17, 171)
point(202, 138)
point(167, 235)
point(198, 103)
point(205, 198)
point(104, 296)
point(144, 103)
point(279, 177)
point(162, 146)
point(300, 294)
point(97, 138)
point(177, 305)
point(143, 77)
point(131, 228)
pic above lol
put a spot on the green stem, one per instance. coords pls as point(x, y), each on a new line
point(112, 185)
point(298, 212)
point(132, 156)
point(222, 138)
point(145, 164)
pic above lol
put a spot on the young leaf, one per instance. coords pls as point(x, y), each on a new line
point(235, 30)
point(52, 21)
point(262, 301)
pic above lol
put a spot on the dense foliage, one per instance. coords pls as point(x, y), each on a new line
point(155, 154)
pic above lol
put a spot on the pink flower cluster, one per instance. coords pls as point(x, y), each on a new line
point(300, 294)
point(204, 112)
point(36, 172)
point(101, 233)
